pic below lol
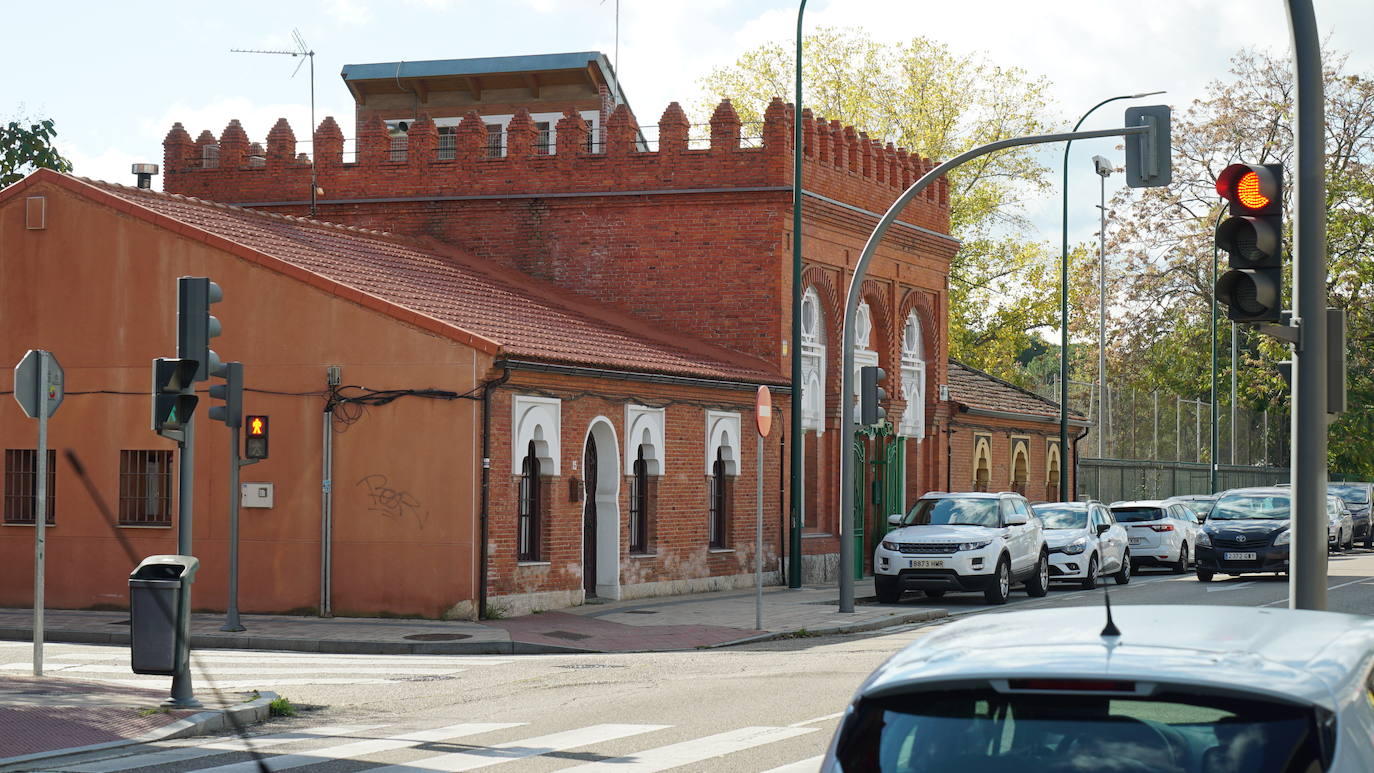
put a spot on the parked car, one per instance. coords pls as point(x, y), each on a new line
point(1357, 498)
point(1247, 532)
point(1181, 689)
point(1200, 504)
point(1085, 542)
point(1160, 533)
point(962, 542)
point(1340, 526)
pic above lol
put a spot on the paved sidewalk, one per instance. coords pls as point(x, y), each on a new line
point(651, 624)
point(41, 717)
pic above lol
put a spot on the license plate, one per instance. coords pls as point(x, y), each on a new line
point(1137, 540)
point(1239, 556)
point(927, 564)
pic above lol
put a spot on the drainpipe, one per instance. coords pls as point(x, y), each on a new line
point(334, 378)
point(949, 454)
point(486, 476)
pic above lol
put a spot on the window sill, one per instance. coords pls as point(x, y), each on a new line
point(533, 563)
point(643, 555)
point(720, 550)
point(30, 525)
point(816, 534)
point(145, 525)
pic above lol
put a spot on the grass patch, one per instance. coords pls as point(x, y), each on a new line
point(150, 712)
point(800, 633)
point(496, 612)
point(281, 707)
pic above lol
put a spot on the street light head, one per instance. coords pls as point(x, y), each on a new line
point(1103, 166)
point(1147, 94)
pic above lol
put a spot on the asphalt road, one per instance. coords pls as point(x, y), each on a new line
point(765, 707)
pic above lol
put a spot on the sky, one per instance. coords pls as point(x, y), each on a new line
point(115, 76)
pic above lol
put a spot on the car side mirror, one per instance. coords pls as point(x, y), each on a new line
point(1014, 519)
point(1102, 528)
point(894, 519)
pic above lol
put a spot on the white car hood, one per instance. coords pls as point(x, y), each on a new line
point(1059, 537)
point(931, 533)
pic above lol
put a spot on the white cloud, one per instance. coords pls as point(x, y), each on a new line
point(354, 13)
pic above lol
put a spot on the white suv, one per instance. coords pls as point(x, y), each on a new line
point(963, 542)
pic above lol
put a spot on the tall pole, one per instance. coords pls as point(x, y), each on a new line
point(1102, 316)
point(1064, 309)
point(1212, 478)
point(183, 694)
point(795, 503)
point(758, 542)
point(231, 617)
point(1234, 365)
point(1307, 575)
point(40, 513)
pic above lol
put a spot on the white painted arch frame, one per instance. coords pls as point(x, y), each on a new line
point(536, 419)
point(601, 431)
point(722, 434)
point(982, 459)
point(644, 428)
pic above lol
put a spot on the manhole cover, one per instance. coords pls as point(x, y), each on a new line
point(437, 636)
point(567, 635)
point(641, 611)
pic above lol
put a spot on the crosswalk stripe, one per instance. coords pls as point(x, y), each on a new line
point(182, 754)
point(687, 752)
point(246, 684)
point(357, 749)
point(522, 749)
point(808, 765)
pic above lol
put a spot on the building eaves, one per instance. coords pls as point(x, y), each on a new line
point(982, 392)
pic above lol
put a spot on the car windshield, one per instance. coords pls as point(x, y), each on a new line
point(985, 731)
point(1246, 507)
point(1133, 514)
point(1355, 494)
point(1200, 506)
point(1062, 516)
point(953, 511)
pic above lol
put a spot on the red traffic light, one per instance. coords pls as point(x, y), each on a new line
point(1252, 189)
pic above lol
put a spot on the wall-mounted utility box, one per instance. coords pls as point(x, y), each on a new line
point(255, 495)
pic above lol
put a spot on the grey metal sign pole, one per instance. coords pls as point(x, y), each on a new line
point(758, 546)
point(1307, 574)
point(851, 307)
point(39, 389)
point(231, 617)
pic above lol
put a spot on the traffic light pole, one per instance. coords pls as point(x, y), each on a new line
point(183, 695)
point(851, 307)
point(1307, 571)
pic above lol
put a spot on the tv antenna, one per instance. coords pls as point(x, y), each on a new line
point(305, 52)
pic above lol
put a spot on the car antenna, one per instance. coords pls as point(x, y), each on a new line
point(1110, 629)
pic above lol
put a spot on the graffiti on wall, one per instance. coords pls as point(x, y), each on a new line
point(391, 502)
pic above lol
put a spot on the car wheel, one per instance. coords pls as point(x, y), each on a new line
point(889, 589)
point(1123, 575)
point(1038, 584)
point(1204, 575)
point(935, 594)
point(1182, 566)
point(1000, 587)
point(1090, 580)
point(1369, 537)
point(1350, 543)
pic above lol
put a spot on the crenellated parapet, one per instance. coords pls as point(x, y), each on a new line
point(839, 162)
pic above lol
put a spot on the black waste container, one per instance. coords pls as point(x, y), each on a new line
point(158, 626)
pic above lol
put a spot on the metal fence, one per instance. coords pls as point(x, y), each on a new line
point(1157, 426)
point(1111, 480)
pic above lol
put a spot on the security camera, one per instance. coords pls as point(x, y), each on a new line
point(1104, 167)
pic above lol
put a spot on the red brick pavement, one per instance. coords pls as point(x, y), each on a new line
point(38, 714)
point(582, 632)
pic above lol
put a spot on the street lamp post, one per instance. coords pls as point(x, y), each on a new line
point(795, 502)
point(1216, 451)
point(1104, 169)
point(1064, 306)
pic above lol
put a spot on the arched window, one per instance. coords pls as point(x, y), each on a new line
point(1020, 471)
point(864, 353)
point(530, 499)
point(719, 526)
point(913, 380)
point(1052, 473)
point(639, 505)
point(813, 362)
point(982, 465)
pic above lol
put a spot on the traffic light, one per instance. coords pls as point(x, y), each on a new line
point(871, 396)
point(173, 401)
point(1252, 238)
point(195, 325)
point(255, 437)
point(230, 392)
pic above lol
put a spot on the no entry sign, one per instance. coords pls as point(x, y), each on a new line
point(763, 411)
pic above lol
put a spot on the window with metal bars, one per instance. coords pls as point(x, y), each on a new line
point(21, 485)
point(448, 143)
point(530, 499)
point(641, 495)
point(720, 503)
point(145, 488)
point(496, 147)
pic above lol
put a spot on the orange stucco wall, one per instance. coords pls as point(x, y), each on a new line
point(97, 287)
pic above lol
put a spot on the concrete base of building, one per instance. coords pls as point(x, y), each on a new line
point(821, 569)
point(518, 604)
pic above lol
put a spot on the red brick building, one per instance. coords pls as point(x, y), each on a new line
point(587, 311)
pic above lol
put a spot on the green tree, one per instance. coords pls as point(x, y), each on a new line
point(1164, 236)
point(926, 98)
point(25, 146)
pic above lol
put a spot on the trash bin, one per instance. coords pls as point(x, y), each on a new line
point(158, 626)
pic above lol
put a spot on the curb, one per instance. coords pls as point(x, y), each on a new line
point(202, 723)
point(922, 616)
point(324, 646)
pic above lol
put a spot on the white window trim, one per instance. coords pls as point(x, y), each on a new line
point(537, 419)
point(863, 356)
point(723, 424)
point(913, 385)
point(813, 368)
point(641, 421)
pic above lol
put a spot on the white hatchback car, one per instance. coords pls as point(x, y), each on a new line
point(1175, 689)
point(1085, 542)
point(1160, 533)
point(964, 542)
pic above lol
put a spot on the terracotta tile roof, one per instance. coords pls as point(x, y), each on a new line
point(519, 316)
point(976, 389)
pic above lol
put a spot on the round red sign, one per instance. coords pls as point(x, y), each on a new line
point(763, 411)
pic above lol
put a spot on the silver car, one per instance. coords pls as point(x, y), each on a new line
point(1174, 689)
point(1340, 524)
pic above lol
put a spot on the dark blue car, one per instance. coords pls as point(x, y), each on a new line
point(1247, 532)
